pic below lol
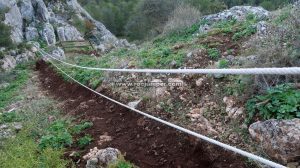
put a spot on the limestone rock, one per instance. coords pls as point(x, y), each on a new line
point(58, 53)
point(48, 34)
point(201, 122)
point(240, 13)
point(8, 62)
point(27, 10)
point(24, 57)
point(41, 10)
point(279, 138)
point(232, 110)
point(14, 19)
point(134, 104)
point(31, 33)
point(68, 33)
point(102, 157)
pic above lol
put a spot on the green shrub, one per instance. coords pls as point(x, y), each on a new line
point(80, 127)
point(280, 102)
point(84, 141)
point(223, 63)
point(213, 53)
point(121, 163)
point(57, 137)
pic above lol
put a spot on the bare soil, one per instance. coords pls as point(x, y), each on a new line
point(146, 143)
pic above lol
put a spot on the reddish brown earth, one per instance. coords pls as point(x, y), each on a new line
point(145, 142)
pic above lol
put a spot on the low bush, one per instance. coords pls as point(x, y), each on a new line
point(80, 127)
point(213, 53)
point(182, 17)
point(57, 137)
point(121, 163)
point(84, 141)
point(280, 102)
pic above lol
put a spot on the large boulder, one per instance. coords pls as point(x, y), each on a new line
point(101, 158)
point(31, 33)
point(27, 10)
point(279, 138)
point(68, 33)
point(58, 53)
point(48, 34)
point(14, 19)
point(41, 10)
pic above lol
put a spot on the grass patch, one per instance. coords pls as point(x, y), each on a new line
point(23, 152)
point(17, 78)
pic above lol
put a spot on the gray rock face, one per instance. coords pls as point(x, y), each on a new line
point(279, 138)
point(31, 33)
point(68, 33)
point(24, 57)
point(8, 62)
point(41, 10)
point(7, 3)
point(240, 13)
point(27, 10)
point(14, 19)
point(58, 53)
point(48, 34)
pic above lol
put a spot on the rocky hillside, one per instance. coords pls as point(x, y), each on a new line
point(51, 22)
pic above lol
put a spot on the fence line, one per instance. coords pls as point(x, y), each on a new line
point(241, 71)
point(205, 138)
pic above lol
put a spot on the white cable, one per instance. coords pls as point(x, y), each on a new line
point(228, 147)
point(241, 71)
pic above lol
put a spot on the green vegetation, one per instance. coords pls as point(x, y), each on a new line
point(19, 77)
point(80, 127)
point(23, 151)
point(121, 163)
point(9, 117)
point(140, 20)
point(57, 136)
point(5, 32)
point(223, 63)
point(213, 53)
point(84, 141)
point(280, 102)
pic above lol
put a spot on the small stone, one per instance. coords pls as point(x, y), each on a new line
point(199, 82)
point(134, 104)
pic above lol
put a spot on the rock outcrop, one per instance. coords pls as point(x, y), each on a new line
point(239, 13)
point(279, 138)
point(68, 33)
point(52, 22)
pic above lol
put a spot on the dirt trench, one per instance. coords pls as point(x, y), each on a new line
point(146, 143)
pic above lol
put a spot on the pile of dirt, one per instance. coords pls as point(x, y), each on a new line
point(145, 142)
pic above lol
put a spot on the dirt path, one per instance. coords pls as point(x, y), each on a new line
point(146, 143)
